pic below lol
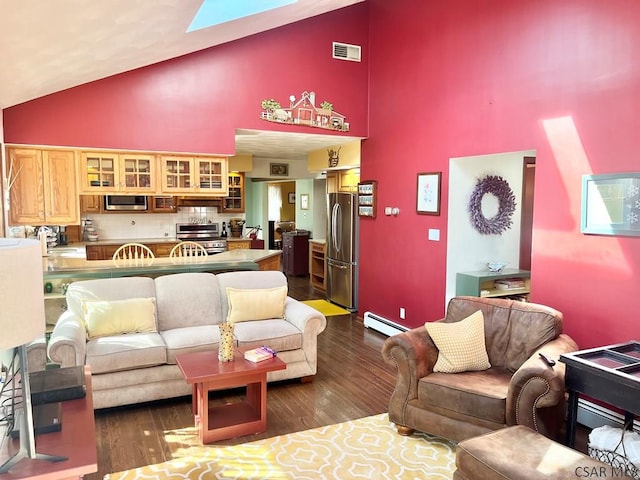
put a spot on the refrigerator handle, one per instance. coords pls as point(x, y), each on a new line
point(337, 265)
point(336, 227)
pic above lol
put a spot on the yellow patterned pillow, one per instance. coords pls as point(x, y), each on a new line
point(256, 303)
point(460, 344)
point(134, 315)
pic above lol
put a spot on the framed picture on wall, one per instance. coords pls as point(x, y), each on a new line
point(428, 193)
point(292, 197)
point(610, 204)
point(279, 169)
point(304, 201)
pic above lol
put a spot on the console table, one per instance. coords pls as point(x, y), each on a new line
point(610, 374)
point(76, 441)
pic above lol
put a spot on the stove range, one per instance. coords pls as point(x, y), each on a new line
point(206, 234)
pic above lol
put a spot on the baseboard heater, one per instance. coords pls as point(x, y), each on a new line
point(593, 415)
point(382, 325)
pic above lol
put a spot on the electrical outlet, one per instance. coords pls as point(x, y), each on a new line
point(402, 313)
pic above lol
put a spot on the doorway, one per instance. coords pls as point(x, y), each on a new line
point(467, 249)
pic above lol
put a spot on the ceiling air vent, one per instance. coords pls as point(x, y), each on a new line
point(345, 51)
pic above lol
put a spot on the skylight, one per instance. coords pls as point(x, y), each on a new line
point(214, 12)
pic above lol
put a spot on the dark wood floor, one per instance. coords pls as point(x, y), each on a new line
point(352, 382)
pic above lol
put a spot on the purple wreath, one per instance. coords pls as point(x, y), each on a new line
point(499, 187)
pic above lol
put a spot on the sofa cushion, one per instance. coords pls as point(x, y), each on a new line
point(474, 394)
point(134, 315)
point(108, 289)
point(190, 339)
point(460, 344)
point(277, 334)
point(125, 352)
point(187, 300)
point(247, 280)
point(255, 303)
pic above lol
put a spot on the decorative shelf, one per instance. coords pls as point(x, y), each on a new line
point(367, 192)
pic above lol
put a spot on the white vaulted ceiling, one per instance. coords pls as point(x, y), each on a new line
point(52, 45)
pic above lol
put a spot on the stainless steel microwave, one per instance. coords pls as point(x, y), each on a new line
point(125, 203)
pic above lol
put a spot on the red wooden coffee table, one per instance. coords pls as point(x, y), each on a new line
point(206, 373)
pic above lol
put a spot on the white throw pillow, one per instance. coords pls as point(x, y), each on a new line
point(103, 318)
point(256, 303)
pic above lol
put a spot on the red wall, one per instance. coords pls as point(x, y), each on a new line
point(461, 77)
point(447, 79)
point(194, 103)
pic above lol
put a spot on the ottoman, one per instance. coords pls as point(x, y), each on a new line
point(518, 452)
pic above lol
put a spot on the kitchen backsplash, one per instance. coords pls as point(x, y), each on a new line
point(112, 226)
point(143, 225)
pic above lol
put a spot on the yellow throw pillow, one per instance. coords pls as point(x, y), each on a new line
point(256, 304)
point(103, 318)
point(460, 344)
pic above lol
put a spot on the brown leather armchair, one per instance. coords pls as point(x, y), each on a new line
point(520, 388)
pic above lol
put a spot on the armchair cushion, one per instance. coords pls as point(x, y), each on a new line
point(461, 345)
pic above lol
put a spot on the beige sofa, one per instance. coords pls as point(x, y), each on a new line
point(136, 367)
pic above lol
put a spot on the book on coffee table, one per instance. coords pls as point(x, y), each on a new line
point(259, 354)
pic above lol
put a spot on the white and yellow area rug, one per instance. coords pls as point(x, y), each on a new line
point(368, 449)
point(326, 308)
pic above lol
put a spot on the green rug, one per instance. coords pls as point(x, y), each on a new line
point(326, 308)
point(368, 448)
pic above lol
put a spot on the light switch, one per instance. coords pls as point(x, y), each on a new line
point(434, 234)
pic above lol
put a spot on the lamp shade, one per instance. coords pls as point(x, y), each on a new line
point(22, 316)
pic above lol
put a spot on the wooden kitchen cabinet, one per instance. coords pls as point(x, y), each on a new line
point(105, 252)
point(163, 204)
point(100, 252)
point(43, 187)
point(200, 175)
point(343, 180)
point(90, 203)
point(162, 249)
point(295, 253)
point(234, 202)
point(115, 172)
point(317, 264)
point(237, 244)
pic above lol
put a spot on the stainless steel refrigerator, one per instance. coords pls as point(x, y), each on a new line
point(342, 250)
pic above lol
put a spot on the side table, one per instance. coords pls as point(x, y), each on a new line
point(610, 374)
point(206, 373)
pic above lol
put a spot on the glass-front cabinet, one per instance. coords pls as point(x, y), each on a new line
point(177, 174)
point(112, 172)
point(234, 201)
point(201, 175)
point(138, 172)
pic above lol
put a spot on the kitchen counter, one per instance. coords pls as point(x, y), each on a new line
point(61, 266)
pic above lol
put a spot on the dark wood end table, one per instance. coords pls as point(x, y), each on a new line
point(205, 372)
point(610, 374)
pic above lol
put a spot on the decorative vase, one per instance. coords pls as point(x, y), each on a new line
point(226, 348)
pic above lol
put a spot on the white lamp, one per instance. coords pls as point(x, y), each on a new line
point(21, 321)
